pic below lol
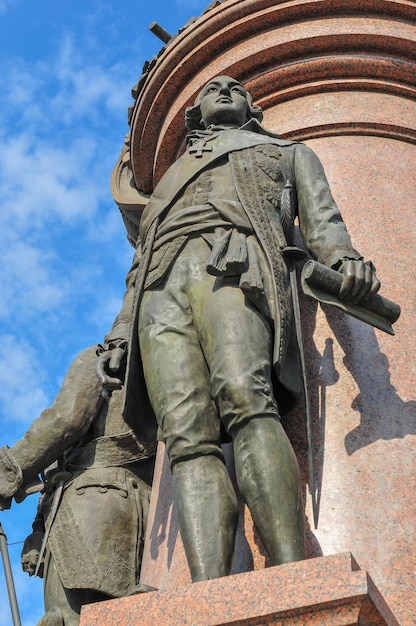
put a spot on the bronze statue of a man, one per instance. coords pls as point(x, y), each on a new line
point(211, 338)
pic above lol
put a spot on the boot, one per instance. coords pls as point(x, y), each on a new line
point(269, 480)
point(208, 515)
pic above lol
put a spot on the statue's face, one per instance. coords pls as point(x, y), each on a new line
point(223, 101)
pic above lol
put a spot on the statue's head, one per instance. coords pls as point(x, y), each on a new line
point(223, 101)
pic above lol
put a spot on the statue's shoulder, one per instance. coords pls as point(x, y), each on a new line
point(255, 132)
point(245, 139)
point(261, 138)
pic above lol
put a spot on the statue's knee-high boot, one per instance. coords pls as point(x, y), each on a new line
point(269, 480)
point(208, 515)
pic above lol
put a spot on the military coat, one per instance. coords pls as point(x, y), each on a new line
point(261, 165)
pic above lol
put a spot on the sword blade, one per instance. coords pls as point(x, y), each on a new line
point(52, 514)
point(306, 405)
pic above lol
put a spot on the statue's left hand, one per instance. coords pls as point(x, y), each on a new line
point(360, 280)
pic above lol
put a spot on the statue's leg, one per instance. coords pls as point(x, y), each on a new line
point(178, 384)
point(207, 513)
point(64, 604)
point(57, 604)
point(237, 344)
point(269, 480)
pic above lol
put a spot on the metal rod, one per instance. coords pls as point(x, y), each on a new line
point(9, 578)
point(160, 32)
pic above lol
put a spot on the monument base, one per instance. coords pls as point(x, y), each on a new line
point(326, 591)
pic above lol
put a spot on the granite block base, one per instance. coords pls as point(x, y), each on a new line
point(327, 591)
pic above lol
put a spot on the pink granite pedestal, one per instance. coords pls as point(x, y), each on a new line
point(328, 591)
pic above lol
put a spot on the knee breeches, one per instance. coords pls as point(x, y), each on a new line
point(207, 356)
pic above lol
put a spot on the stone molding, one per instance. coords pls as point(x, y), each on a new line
point(281, 51)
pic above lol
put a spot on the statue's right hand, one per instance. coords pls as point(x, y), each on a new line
point(30, 553)
point(11, 477)
point(111, 362)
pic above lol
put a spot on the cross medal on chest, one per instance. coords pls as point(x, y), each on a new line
point(198, 145)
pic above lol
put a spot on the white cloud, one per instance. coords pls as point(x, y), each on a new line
point(28, 283)
point(58, 130)
point(21, 394)
point(54, 180)
point(60, 135)
point(104, 313)
point(42, 181)
point(74, 84)
point(84, 86)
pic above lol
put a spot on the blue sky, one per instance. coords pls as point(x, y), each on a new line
point(67, 69)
